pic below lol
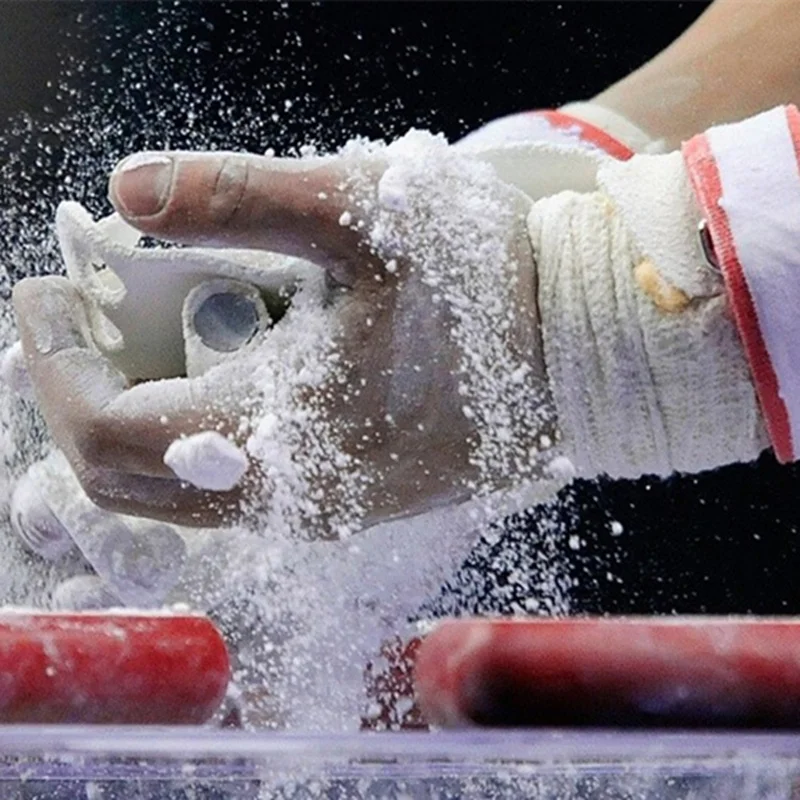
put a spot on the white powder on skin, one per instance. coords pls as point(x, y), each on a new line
point(14, 372)
point(446, 216)
point(34, 522)
point(47, 157)
point(310, 484)
point(207, 460)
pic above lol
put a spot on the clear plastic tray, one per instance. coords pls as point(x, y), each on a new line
point(40, 763)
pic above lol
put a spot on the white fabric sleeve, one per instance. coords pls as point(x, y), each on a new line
point(645, 363)
point(746, 181)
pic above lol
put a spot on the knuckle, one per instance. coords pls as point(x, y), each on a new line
point(92, 484)
point(230, 187)
point(105, 490)
point(96, 442)
point(101, 498)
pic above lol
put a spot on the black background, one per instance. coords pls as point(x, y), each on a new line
point(101, 79)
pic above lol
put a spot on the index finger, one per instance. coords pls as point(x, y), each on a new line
point(298, 207)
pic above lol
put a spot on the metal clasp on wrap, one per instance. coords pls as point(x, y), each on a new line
point(708, 247)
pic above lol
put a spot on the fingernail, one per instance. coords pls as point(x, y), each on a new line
point(140, 185)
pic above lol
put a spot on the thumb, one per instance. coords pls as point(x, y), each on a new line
point(299, 207)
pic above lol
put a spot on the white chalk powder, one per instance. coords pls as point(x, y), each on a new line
point(448, 218)
point(561, 467)
point(318, 611)
point(438, 211)
point(392, 189)
point(207, 460)
point(311, 486)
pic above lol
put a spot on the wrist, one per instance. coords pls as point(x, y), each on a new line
point(641, 386)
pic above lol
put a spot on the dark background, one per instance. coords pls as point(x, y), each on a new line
point(81, 84)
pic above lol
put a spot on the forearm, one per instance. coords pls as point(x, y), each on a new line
point(739, 58)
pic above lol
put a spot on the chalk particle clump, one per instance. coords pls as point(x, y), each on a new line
point(207, 460)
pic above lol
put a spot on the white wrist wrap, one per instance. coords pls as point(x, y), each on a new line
point(646, 367)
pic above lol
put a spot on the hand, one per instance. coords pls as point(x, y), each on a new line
point(115, 435)
point(413, 378)
point(136, 562)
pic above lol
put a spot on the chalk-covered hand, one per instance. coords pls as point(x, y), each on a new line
point(116, 435)
point(408, 376)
